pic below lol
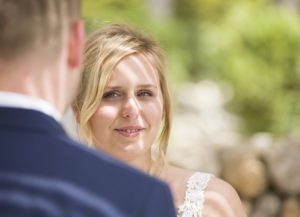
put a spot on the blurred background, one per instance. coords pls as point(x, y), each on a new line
point(234, 70)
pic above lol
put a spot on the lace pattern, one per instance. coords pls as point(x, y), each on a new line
point(194, 195)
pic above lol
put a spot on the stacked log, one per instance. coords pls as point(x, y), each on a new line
point(270, 183)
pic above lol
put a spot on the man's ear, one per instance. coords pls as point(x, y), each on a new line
point(76, 44)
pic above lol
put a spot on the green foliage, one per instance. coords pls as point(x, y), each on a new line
point(257, 50)
point(104, 12)
point(201, 9)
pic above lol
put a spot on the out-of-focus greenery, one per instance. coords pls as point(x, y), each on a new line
point(252, 45)
point(256, 47)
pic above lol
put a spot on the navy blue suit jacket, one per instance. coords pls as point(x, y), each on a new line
point(45, 173)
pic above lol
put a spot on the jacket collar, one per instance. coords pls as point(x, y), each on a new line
point(28, 119)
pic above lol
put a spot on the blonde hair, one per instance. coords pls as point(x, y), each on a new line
point(104, 49)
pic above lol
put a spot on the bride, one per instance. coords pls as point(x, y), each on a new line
point(124, 108)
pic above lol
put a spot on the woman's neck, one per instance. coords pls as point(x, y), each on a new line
point(147, 165)
point(143, 162)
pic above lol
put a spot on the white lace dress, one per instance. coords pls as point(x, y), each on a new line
point(194, 195)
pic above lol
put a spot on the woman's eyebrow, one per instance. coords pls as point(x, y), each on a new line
point(113, 87)
point(140, 86)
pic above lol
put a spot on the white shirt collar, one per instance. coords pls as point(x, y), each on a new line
point(16, 100)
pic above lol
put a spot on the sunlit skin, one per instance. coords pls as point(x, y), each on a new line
point(127, 123)
point(130, 113)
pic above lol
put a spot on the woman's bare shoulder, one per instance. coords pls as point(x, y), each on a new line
point(177, 180)
point(221, 200)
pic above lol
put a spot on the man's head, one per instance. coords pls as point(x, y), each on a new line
point(41, 48)
point(28, 26)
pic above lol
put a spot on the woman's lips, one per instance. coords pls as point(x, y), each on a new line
point(130, 131)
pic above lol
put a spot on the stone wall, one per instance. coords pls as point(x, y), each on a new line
point(268, 180)
point(264, 171)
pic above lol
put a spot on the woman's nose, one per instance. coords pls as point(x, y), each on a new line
point(130, 108)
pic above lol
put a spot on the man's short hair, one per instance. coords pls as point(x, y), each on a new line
point(35, 25)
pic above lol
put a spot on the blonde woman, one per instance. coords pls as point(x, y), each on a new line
point(123, 106)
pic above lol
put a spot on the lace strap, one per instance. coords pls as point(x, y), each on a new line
point(194, 196)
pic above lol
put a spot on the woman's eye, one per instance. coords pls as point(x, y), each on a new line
point(145, 93)
point(110, 94)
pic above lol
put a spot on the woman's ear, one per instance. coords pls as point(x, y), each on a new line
point(76, 112)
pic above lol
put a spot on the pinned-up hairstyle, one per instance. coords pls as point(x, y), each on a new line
point(104, 49)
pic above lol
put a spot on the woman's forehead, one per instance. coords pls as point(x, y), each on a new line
point(135, 68)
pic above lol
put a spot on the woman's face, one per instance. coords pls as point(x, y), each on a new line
point(128, 118)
